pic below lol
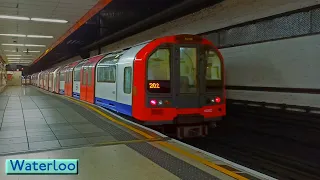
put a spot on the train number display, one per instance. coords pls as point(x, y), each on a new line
point(154, 85)
point(159, 86)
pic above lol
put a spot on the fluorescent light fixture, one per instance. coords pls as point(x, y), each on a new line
point(31, 51)
point(13, 44)
point(13, 55)
point(18, 62)
point(14, 17)
point(34, 45)
point(13, 35)
point(49, 20)
point(9, 50)
point(20, 58)
point(38, 36)
point(26, 55)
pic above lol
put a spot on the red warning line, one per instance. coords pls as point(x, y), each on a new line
point(93, 11)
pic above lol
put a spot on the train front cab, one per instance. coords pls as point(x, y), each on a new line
point(184, 84)
point(87, 78)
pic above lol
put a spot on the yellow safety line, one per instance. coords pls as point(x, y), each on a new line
point(128, 142)
point(165, 144)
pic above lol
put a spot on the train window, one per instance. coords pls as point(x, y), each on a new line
point(84, 76)
point(188, 70)
point(106, 74)
point(67, 76)
point(61, 76)
point(89, 75)
point(158, 67)
point(70, 75)
point(76, 74)
point(213, 70)
point(127, 80)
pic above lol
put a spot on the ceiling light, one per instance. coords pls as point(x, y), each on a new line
point(34, 45)
point(19, 59)
point(39, 36)
point(31, 51)
point(13, 44)
point(9, 50)
point(13, 55)
point(14, 17)
point(26, 55)
point(49, 20)
point(13, 35)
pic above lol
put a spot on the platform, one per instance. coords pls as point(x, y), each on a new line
point(36, 124)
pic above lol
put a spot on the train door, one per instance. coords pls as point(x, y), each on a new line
point(57, 84)
point(90, 83)
point(188, 68)
point(77, 80)
point(68, 85)
point(46, 81)
point(62, 82)
point(70, 82)
point(83, 84)
point(50, 81)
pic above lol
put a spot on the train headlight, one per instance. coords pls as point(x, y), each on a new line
point(160, 102)
point(153, 102)
point(217, 99)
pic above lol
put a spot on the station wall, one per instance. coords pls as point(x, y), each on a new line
point(265, 63)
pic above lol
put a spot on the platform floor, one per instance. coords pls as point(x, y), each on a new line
point(38, 125)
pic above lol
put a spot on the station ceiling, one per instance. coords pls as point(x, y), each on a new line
point(100, 22)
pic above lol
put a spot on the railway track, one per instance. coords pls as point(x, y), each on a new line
point(247, 151)
point(275, 144)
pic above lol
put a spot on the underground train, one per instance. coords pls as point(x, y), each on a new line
point(175, 80)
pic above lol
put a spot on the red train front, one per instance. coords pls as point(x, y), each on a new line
point(179, 80)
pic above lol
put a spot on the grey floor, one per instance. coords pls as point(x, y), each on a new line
point(31, 120)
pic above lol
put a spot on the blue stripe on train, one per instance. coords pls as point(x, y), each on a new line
point(76, 95)
point(115, 106)
point(61, 91)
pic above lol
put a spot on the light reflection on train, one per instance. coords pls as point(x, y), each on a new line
point(173, 81)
